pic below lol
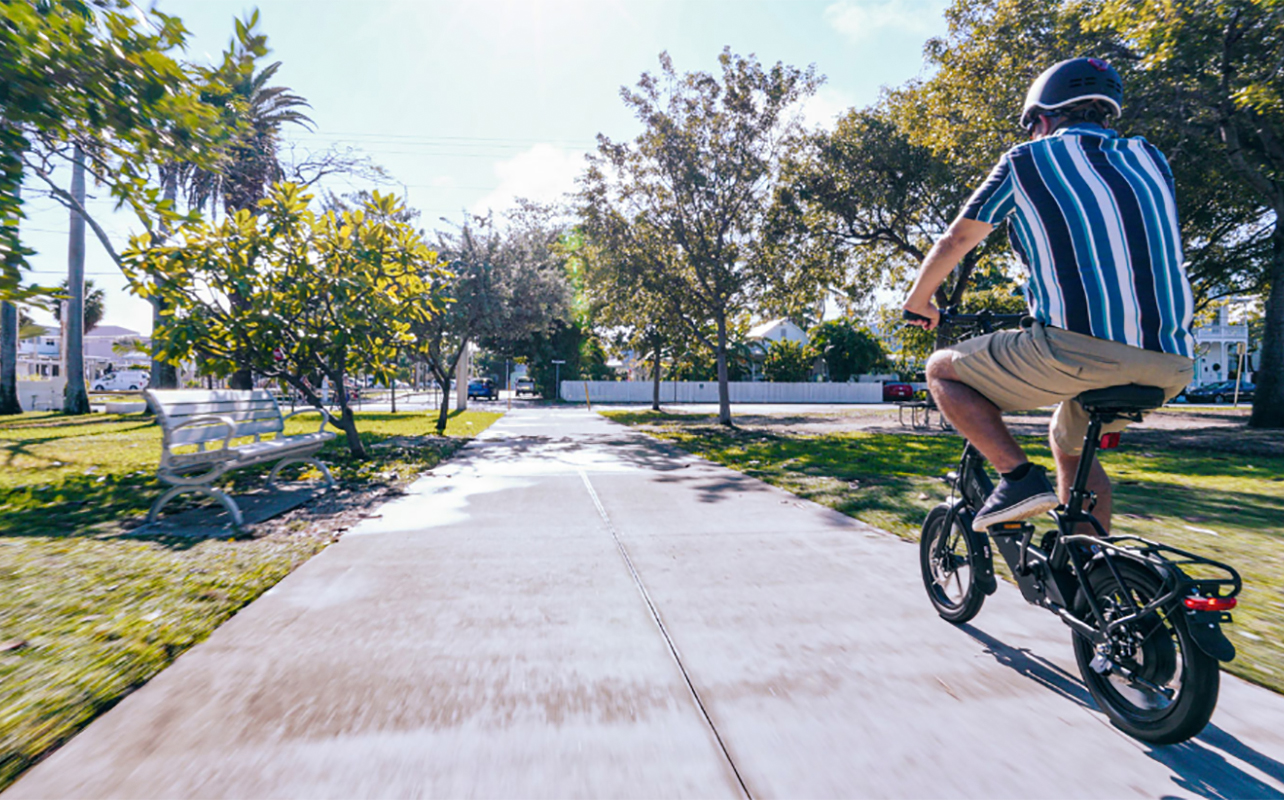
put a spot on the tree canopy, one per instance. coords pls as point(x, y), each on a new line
point(686, 204)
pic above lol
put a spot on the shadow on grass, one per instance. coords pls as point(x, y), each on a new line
point(104, 504)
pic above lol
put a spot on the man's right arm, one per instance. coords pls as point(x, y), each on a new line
point(963, 235)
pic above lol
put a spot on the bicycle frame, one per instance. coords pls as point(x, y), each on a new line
point(1043, 577)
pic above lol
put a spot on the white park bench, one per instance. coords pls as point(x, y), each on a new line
point(209, 421)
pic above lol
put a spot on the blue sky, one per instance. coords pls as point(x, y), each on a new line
point(471, 104)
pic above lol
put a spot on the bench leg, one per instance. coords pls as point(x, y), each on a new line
point(174, 491)
point(271, 481)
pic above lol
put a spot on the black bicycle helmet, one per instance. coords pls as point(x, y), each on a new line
point(1071, 82)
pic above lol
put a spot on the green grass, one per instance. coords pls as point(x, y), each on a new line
point(99, 612)
point(1228, 507)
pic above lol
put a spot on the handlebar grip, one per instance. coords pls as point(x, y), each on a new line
point(910, 316)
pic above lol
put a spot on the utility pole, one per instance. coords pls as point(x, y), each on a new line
point(75, 398)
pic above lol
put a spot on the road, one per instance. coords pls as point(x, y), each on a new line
point(568, 609)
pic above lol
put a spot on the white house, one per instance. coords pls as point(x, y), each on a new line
point(1217, 349)
point(777, 330)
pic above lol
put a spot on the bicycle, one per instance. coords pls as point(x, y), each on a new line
point(1147, 636)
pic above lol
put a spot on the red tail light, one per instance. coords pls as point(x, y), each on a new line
point(1210, 603)
point(1109, 441)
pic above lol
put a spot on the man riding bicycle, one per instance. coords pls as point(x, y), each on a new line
point(1093, 217)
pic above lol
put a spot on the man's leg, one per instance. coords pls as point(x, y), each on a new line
point(1098, 481)
point(972, 414)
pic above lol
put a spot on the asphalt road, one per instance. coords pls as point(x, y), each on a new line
point(568, 609)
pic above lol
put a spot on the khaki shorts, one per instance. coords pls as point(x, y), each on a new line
point(1020, 370)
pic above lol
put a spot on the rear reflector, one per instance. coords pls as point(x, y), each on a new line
point(1109, 441)
point(1210, 603)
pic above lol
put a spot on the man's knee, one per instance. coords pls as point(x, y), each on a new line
point(940, 366)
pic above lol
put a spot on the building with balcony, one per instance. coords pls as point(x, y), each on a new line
point(1217, 350)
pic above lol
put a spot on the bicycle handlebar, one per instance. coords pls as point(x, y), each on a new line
point(984, 318)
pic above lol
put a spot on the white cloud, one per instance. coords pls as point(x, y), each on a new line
point(825, 107)
point(543, 173)
point(858, 20)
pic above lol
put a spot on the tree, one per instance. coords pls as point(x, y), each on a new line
point(848, 350)
point(1221, 65)
point(879, 200)
point(319, 296)
point(687, 203)
point(788, 362)
point(1194, 73)
point(503, 286)
point(95, 305)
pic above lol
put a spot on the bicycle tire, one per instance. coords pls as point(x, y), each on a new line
point(939, 569)
point(1167, 648)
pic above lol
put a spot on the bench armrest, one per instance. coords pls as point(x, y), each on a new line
point(226, 420)
point(325, 416)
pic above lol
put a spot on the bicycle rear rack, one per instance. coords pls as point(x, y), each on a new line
point(1156, 554)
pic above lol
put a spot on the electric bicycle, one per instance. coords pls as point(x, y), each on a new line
point(1147, 635)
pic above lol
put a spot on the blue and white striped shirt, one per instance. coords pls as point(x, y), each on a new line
point(1093, 217)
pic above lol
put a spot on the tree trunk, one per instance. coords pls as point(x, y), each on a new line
point(9, 359)
point(164, 375)
point(655, 381)
point(724, 390)
point(443, 380)
point(348, 423)
point(1268, 403)
point(75, 398)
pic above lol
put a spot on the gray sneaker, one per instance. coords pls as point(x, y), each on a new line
point(1013, 501)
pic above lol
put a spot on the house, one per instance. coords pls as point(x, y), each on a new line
point(777, 330)
point(41, 355)
point(760, 337)
point(1217, 349)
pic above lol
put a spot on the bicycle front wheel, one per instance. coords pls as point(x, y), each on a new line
point(946, 559)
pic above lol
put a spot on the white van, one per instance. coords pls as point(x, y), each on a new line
point(130, 380)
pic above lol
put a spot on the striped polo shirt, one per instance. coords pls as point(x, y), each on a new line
point(1093, 217)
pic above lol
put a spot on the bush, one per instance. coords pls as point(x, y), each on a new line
point(848, 350)
point(788, 362)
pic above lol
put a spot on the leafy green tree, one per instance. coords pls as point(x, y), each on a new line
point(1187, 90)
point(878, 199)
point(504, 285)
point(848, 350)
point(99, 75)
point(686, 204)
point(788, 362)
point(328, 295)
point(1220, 64)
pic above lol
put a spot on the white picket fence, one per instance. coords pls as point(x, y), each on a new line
point(707, 392)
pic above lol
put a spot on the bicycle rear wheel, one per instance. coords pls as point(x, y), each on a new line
point(946, 558)
point(1171, 687)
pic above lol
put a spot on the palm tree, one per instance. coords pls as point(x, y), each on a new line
point(258, 111)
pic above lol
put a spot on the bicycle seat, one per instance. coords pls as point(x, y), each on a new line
point(1127, 399)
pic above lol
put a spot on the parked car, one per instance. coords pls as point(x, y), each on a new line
point(897, 392)
point(1221, 392)
point(482, 389)
point(525, 386)
point(130, 380)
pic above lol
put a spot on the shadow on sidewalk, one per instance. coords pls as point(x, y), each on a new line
point(1200, 766)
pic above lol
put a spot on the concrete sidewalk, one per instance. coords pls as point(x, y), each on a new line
point(568, 609)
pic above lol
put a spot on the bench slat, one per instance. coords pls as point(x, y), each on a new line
point(216, 431)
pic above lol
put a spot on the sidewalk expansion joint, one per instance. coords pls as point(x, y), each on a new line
point(664, 632)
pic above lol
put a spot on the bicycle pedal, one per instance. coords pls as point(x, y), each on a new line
point(1011, 528)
